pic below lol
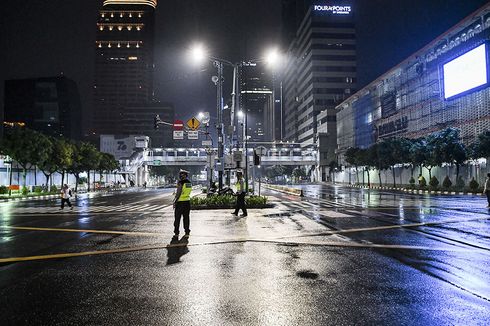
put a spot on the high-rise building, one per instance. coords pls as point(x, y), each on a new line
point(320, 74)
point(49, 105)
point(256, 101)
point(123, 64)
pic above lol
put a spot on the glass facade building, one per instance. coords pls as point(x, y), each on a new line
point(433, 89)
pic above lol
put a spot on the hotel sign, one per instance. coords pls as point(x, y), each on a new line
point(337, 10)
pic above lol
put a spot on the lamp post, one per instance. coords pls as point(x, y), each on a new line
point(244, 115)
point(199, 55)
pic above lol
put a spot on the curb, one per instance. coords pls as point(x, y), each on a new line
point(286, 190)
point(33, 198)
point(418, 191)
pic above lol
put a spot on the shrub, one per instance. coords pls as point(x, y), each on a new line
point(4, 190)
point(446, 183)
point(411, 181)
point(434, 182)
point(474, 185)
point(204, 190)
point(38, 189)
point(460, 183)
point(422, 183)
point(227, 201)
point(54, 189)
point(25, 190)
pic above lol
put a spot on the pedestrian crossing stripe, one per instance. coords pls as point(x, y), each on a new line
point(88, 209)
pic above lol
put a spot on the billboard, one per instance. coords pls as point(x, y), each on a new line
point(468, 72)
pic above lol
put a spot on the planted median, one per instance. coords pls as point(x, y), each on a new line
point(227, 201)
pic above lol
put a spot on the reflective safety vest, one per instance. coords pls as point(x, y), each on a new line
point(239, 187)
point(186, 192)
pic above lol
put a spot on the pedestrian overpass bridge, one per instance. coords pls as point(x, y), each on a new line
point(140, 161)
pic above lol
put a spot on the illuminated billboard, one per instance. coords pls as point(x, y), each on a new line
point(468, 72)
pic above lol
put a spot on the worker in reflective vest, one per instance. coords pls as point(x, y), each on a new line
point(240, 193)
point(182, 203)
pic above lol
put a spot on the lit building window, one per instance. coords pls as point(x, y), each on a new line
point(111, 28)
point(119, 28)
point(109, 46)
point(132, 58)
point(118, 45)
point(138, 28)
point(128, 45)
point(112, 14)
point(129, 27)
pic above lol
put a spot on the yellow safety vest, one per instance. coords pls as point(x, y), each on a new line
point(239, 187)
point(186, 192)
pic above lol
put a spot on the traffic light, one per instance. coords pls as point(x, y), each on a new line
point(256, 158)
point(156, 119)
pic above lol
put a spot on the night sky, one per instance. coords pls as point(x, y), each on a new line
point(41, 38)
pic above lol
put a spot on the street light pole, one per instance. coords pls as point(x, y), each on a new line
point(219, 126)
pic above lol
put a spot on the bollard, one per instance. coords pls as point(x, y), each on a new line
point(301, 193)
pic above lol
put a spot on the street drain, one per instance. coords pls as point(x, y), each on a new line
point(307, 274)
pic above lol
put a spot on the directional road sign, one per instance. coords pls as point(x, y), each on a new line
point(193, 123)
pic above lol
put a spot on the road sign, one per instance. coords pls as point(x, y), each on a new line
point(178, 125)
point(193, 123)
point(207, 143)
point(193, 134)
point(178, 134)
point(157, 162)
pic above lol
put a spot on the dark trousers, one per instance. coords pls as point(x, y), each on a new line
point(63, 200)
point(240, 204)
point(488, 197)
point(182, 208)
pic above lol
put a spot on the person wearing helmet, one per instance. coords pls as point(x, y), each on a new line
point(240, 193)
point(182, 202)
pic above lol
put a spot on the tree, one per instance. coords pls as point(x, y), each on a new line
point(400, 154)
point(89, 159)
point(27, 147)
point(384, 157)
point(352, 158)
point(481, 147)
point(418, 153)
point(299, 173)
point(63, 153)
point(107, 164)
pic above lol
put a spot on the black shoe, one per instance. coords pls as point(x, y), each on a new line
point(234, 214)
point(243, 215)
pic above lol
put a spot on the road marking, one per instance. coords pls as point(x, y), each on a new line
point(156, 247)
point(387, 227)
point(28, 228)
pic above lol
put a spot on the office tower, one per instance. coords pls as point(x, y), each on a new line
point(321, 72)
point(49, 105)
point(123, 64)
point(256, 100)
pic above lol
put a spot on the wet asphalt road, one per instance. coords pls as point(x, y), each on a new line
point(336, 257)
